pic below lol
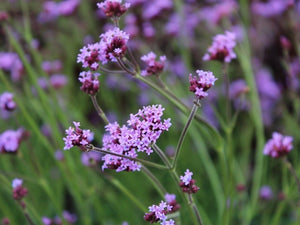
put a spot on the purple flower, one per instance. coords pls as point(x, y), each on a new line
point(187, 183)
point(155, 7)
point(5, 221)
point(90, 158)
point(11, 62)
point(199, 85)
point(59, 155)
point(89, 56)
point(51, 67)
point(157, 213)
point(69, 217)
point(270, 8)
point(265, 193)
point(49, 221)
point(113, 8)
point(222, 48)
point(10, 140)
point(46, 221)
point(153, 67)
point(58, 80)
point(143, 129)
point(171, 200)
point(6, 101)
point(113, 45)
point(18, 191)
point(77, 137)
point(90, 82)
point(278, 146)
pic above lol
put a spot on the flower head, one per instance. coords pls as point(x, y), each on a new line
point(6, 101)
point(222, 48)
point(90, 82)
point(69, 217)
point(187, 183)
point(153, 67)
point(278, 146)
point(10, 140)
point(113, 44)
point(142, 130)
point(265, 193)
point(90, 158)
point(89, 56)
point(113, 8)
point(171, 200)
point(77, 137)
point(201, 83)
point(19, 191)
point(157, 213)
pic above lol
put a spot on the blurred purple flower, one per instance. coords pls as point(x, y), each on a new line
point(11, 62)
point(90, 158)
point(270, 8)
point(6, 102)
point(157, 213)
point(154, 8)
point(10, 140)
point(265, 193)
point(58, 81)
point(278, 146)
point(153, 67)
point(113, 8)
point(18, 191)
point(69, 217)
point(59, 155)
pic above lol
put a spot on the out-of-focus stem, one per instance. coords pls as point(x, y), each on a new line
point(184, 131)
point(154, 181)
point(293, 172)
point(196, 212)
point(162, 155)
point(152, 164)
point(227, 83)
point(28, 218)
point(98, 109)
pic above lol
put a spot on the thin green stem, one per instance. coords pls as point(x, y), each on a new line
point(99, 110)
point(293, 172)
point(123, 66)
point(227, 83)
point(156, 183)
point(184, 131)
point(196, 212)
point(152, 164)
point(162, 155)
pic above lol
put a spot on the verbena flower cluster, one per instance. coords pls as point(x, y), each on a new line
point(77, 137)
point(6, 101)
point(113, 8)
point(222, 48)
point(10, 140)
point(153, 67)
point(19, 192)
point(201, 83)
point(90, 82)
point(142, 130)
point(187, 184)
point(112, 45)
point(157, 213)
point(278, 146)
point(171, 200)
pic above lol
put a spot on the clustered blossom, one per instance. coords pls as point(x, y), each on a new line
point(49, 221)
point(77, 137)
point(157, 213)
point(6, 101)
point(90, 82)
point(222, 48)
point(11, 62)
point(113, 8)
point(171, 200)
point(18, 191)
point(143, 129)
point(52, 10)
point(187, 183)
point(112, 45)
point(153, 67)
point(89, 56)
point(278, 146)
point(10, 140)
point(265, 193)
point(201, 83)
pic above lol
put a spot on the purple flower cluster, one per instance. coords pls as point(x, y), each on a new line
point(90, 82)
point(11, 62)
point(10, 140)
point(113, 8)
point(201, 83)
point(222, 48)
point(187, 183)
point(69, 217)
point(49, 221)
point(90, 158)
point(171, 200)
point(52, 10)
point(6, 101)
point(270, 8)
point(278, 146)
point(153, 67)
point(18, 191)
point(143, 129)
point(77, 137)
point(112, 45)
point(265, 193)
point(157, 213)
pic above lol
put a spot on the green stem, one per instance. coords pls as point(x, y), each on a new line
point(99, 110)
point(184, 131)
point(196, 212)
point(293, 172)
point(162, 191)
point(152, 164)
point(162, 155)
point(227, 83)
